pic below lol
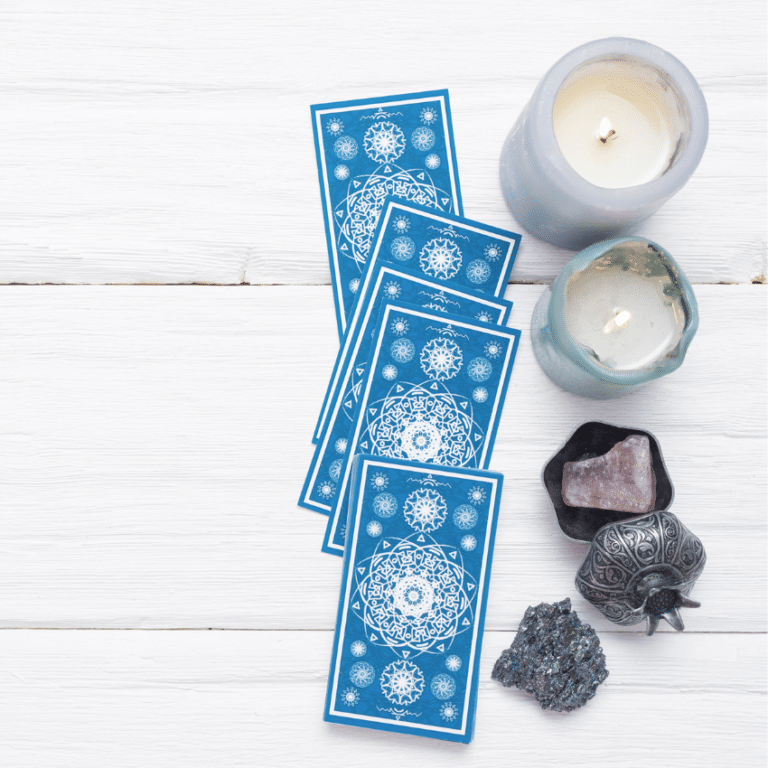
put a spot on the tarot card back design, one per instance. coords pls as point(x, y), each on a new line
point(368, 149)
point(414, 590)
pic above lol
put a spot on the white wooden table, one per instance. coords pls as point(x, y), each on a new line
point(166, 329)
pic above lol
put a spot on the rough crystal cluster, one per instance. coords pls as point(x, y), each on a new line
point(555, 657)
point(621, 479)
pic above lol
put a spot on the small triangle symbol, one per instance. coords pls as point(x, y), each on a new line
point(465, 623)
point(339, 213)
point(446, 200)
point(452, 554)
point(387, 169)
point(441, 648)
point(364, 445)
point(434, 385)
point(470, 586)
point(344, 247)
point(399, 389)
point(356, 183)
point(361, 570)
point(360, 371)
point(464, 406)
point(374, 638)
point(421, 539)
point(348, 404)
point(421, 176)
point(372, 411)
point(385, 545)
point(478, 437)
point(406, 654)
point(356, 606)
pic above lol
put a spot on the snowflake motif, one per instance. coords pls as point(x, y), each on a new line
point(449, 711)
point(468, 543)
point(350, 697)
point(478, 271)
point(384, 142)
point(402, 248)
point(428, 115)
point(340, 446)
point(479, 369)
point(358, 648)
point(432, 162)
point(354, 284)
point(492, 252)
point(341, 172)
point(401, 224)
point(389, 372)
point(362, 674)
point(440, 258)
point(465, 517)
point(379, 481)
point(442, 686)
point(334, 126)
point(392, 290)
point(477, 495)
point(402, 682)
point(484, 317)
point(385, 505)
point(425, 510)
point(334, 470)
point(441, 359)
point(326, 489)
point(493, 349)
point(374, 528)
point(453, 663)
point(399, 326)
point(402, 350)
point(423, 138)
point(345, 148)
point(479, 394)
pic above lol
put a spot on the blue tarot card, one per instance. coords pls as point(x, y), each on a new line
point(368, 149)
point(417, 567)
point(451, 250)
point(431, 394)
point(384, 282)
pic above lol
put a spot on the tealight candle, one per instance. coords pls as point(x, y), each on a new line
point(613, 130)
point(619, 315)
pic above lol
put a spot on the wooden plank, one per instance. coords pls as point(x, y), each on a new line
point(154, 441)
point(171, 143)
point(95, 698)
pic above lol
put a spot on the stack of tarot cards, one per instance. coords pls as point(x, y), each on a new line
point(406, 430)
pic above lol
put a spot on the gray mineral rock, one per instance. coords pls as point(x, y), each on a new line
point(555, 657)
point(621, 479)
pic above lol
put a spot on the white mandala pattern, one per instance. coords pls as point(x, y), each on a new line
point(468, 543)
point(340, 446)
point(362, 674)
point(379, 481)
point(442, 686)
point(441, 359)
point(402, 248)
point(399, 326)
point(453, 663)
point(478, 271)
point(479, 394)
point(428, 115)
point(425, 510)
point(389, 372)
point(374, 528)
point(326, 489)
point(392, 289)
point(402, 350)
point(341, 172)
point(402, 682)
point(493, 349)
point(425, 423)
point(465, 517)
point(413, 596)
point(350, 697)
point(477, 495)
point(449, 711)
point(423, 138)
point(492, 252)
point(484, 317)
point(334, 126)
point(401, 224)
point(479, 369)
point(345, 148)
point(358, 648)
point(334, 471)
point(354, 285)
point(432, 162)
point(440, 258)
point(384, 142)
point(385, 505)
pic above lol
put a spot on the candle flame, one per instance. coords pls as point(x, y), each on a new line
point(617, 321)
point(605, 131)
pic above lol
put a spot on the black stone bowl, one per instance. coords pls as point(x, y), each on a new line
point(593, 438)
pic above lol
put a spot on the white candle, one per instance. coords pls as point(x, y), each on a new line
point(625, 308)
point(615, 124)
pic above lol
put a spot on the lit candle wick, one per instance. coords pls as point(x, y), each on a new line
point(605, 131)
point(618, 321)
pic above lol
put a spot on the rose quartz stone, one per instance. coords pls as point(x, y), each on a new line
point(622, 479)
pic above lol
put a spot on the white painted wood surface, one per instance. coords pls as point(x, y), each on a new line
point(153, 439)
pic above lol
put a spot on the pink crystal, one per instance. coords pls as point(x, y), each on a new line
point(622, 479)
